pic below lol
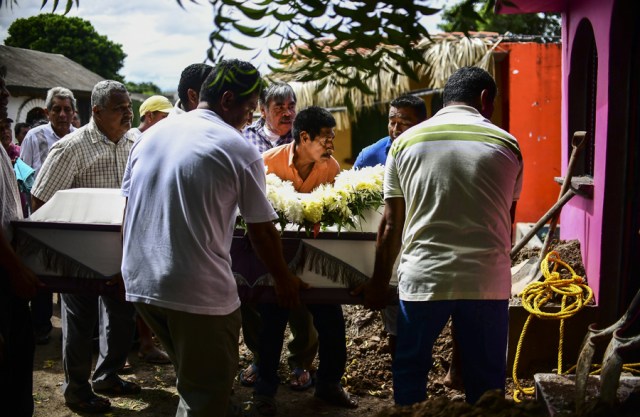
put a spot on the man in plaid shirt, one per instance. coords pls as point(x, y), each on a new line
point(94, 156)
point(278, 109)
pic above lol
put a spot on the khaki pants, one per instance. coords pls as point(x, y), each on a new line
point(204, 352)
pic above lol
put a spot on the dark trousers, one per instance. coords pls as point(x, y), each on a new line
point(41, 311)
point(328, 321)
point(481, 328)
point(17, 347)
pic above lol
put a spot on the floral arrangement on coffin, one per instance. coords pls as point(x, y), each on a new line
point(340, 204)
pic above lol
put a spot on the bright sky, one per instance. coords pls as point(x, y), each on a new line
point(158, 36)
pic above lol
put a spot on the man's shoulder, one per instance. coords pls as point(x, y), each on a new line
point(379, 144)
point(253, 130)
point(277, 150)
point(334, 165)
point(39, 129)
point(36, 132)
point(73, 139)
point(372, 154)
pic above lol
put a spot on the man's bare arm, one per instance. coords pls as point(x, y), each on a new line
point(388, 244)
point(36, 203)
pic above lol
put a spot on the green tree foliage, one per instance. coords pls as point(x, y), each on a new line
point(334, 37)
point(147, 88)
point(473, 15)
point(72, 37)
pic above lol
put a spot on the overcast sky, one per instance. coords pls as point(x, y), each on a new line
point(158, 36)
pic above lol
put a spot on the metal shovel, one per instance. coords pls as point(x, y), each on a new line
point(588, 347)
point(612, 365)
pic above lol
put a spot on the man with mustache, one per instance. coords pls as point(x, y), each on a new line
point(93, 156)
point(60, 105)
point(307, 162)
point(277, 109)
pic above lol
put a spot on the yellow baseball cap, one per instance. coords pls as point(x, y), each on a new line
point(155, 103)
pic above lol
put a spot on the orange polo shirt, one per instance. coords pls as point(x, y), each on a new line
point(279, 160)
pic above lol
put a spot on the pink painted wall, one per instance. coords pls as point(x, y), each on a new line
point(582, 218)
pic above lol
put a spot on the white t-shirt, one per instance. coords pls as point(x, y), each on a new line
point(185, 183)
point(459, 175)
point(271, 136)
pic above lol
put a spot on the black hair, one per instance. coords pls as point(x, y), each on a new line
point(466, 84)
point(413, 102)
point(311, 120)
point(35, 116)
point(192, 77)
point(18, 127)
point(239, 77)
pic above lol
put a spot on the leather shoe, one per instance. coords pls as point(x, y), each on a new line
point(121, 387)
point(335, 394)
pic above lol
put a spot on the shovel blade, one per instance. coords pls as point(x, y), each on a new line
point(583, 368)
point(610, 376)
point(521, 274)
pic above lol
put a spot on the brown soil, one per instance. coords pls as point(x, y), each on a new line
point(368, 377)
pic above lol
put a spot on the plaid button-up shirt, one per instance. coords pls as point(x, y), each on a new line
point(254, 133)
point(85, 158)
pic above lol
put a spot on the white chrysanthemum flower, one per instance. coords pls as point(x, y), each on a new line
point(341, 203)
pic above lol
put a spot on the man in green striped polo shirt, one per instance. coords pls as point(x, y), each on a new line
point(450, 188)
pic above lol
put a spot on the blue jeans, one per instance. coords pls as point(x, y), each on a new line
point(332, 349)
point(481, 328)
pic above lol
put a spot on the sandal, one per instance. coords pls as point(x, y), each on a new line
point(300, 380)
point(248, 376)
point(265, 405)
point(93, 405)
point(121, 387)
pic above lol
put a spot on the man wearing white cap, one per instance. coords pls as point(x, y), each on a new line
point(152, 110)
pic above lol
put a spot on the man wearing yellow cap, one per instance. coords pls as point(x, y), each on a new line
point(152, 110)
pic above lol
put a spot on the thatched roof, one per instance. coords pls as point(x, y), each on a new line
point(444, 53)
point(32, 73)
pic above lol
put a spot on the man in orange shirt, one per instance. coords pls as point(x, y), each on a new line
point(307, 161)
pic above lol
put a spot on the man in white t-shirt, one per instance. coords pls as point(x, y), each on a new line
point(451, 185)
point(178, 228)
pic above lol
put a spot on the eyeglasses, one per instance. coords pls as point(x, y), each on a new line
point(326, 141)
